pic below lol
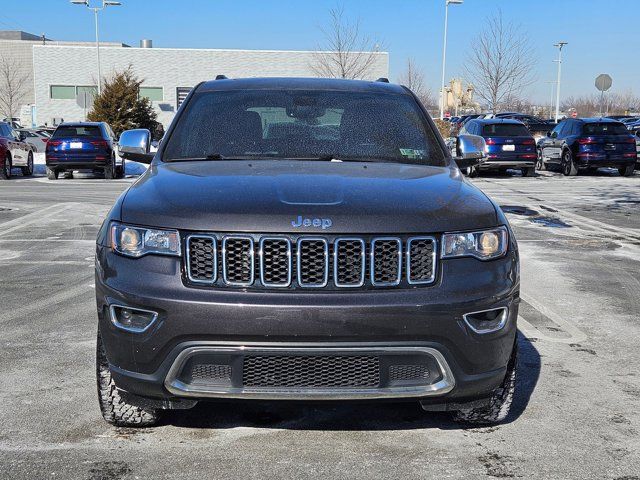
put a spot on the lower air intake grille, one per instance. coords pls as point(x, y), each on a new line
point(408, 372)
point(319, 371)
point(206, 372)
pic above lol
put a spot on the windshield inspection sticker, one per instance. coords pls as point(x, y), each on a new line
point(412, 153)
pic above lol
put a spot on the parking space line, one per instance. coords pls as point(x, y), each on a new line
point(575, 334)
point(31, 218)
point(42, 304)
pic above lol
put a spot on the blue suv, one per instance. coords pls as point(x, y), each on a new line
point(86, 145)
point(588, 144)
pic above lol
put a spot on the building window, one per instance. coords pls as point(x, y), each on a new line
point(181, 94)
point(152, 93)
point(63, 92)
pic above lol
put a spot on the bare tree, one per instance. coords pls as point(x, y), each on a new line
point(500, 62)
point(614, 104)
point(413, 78)
point(13, 83)
point(346, 53)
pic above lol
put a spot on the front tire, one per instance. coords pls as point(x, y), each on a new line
point(626, 171)
point(114, 409)
point(5, 171)
point(500, 402)
point(28, 170)
point(569, 168)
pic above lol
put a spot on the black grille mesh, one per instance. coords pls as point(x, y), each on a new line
point(210, 372)
point(313, 262)
point(349, 256)
point(319, 371)
point(421, 260)
point(238, 260)
point(202, 257)
point(408, 372)
point(276, 261)
point(387, 264)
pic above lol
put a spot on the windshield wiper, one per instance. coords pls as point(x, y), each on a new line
point(211, 156)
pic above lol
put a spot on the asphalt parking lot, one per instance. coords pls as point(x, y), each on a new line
point(576, 415)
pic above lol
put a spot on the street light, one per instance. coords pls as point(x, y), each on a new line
point(444, 51)
point(559, 45)
point(105, 3)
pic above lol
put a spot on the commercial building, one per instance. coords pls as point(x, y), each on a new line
point(62, 72)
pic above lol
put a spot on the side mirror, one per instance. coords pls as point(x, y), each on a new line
point(470, 151)
point(134, 145)
point(554, 135)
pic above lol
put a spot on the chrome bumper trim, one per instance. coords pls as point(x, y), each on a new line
point(179, 388)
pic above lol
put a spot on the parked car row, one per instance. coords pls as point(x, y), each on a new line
point(573, 145)
point(71, 146)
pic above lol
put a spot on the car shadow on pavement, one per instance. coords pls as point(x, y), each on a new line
point(347, 416)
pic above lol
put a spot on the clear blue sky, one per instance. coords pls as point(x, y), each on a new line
point(603, 35)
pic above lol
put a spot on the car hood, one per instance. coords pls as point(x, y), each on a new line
point(277, 195)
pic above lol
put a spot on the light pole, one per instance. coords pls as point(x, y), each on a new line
point(444, 51)
point(105, 3)
point(559, 45)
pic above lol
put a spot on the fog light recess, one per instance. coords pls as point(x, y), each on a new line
point(487, 321)
point(132, 319)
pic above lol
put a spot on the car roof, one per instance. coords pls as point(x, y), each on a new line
point(490, 121)
point(82, 124)
point(291, 83)
point(597, 120)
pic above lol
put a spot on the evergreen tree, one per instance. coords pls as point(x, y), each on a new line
point(121, 107)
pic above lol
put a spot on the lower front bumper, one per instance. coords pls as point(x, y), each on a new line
point(423, 372)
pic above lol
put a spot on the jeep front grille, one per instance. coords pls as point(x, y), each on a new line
point(307, 262)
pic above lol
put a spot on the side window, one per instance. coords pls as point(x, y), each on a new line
point(464, 130)
point(3, 132)
point(558, 128)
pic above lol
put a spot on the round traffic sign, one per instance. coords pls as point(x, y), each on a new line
point(603, 82)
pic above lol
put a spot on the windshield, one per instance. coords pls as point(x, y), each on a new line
point(505, 130)
point(303, 124)
point(608, 128)
point(77, 131)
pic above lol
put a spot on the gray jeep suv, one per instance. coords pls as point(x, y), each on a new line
point(304, 239)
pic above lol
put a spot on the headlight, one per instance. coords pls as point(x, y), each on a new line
point(137, 241)
point(484, 244)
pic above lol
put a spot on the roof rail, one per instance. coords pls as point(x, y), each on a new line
point(221, 77)
point(383, 79)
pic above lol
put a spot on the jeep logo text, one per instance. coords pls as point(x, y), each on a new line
point(323, 223)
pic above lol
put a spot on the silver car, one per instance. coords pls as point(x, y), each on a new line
point(34, 138)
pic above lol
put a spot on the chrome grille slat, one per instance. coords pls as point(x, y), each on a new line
point(312, 262)
point(305, 262)
point(275, 262)
point(349, 262)
point(421, 258)
point(238, 260)
point(386, 261)
point(202, 258)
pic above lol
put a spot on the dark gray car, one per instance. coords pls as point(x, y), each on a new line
point(304, 239)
